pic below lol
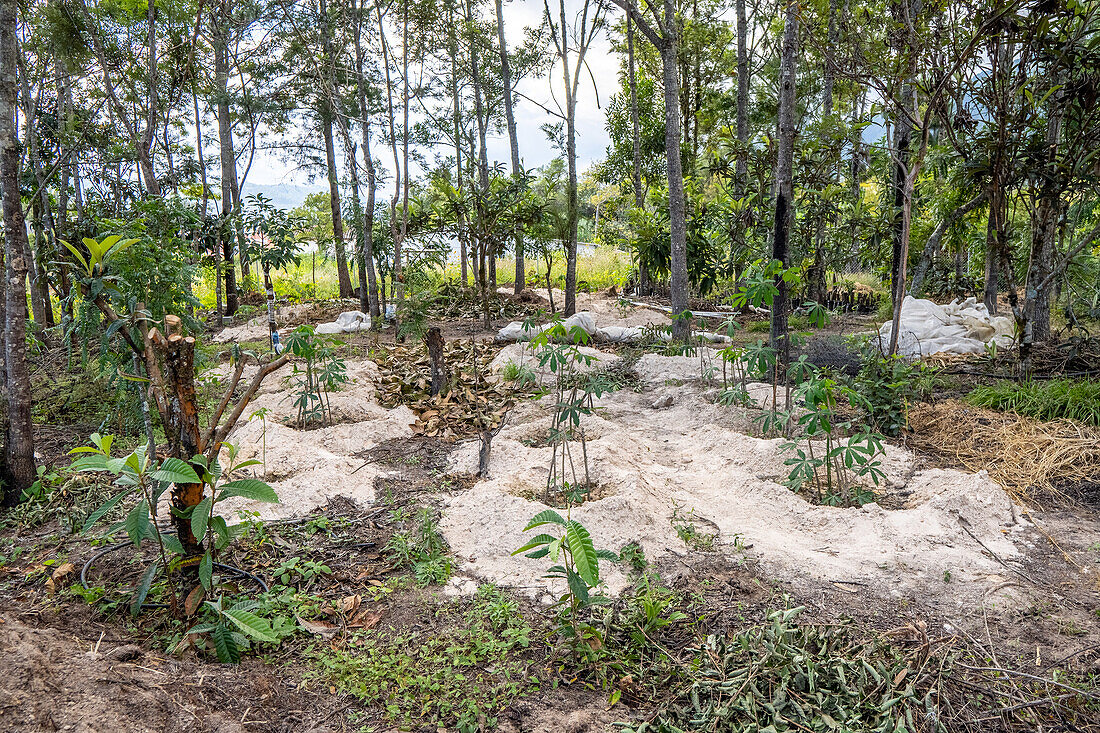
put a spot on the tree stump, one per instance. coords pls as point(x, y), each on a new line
point(434, 339)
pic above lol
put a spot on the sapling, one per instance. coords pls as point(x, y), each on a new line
point(321, 372)
point(146, 480)
point(559, 350)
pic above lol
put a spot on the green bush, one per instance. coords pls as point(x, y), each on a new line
point(1054, 400)
point(887, 384)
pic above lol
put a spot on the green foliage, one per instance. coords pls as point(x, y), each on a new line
point(1056, 399)
point(887, 384)
point(145, 481)
point(321, 372)
point(459, 674)
point(848, 453)
point(558, 350)
point(229, 628)
point(687, 529)
point(422, 549)
point(781, 676)
point(521, 375)
point(576, 561)
point(300, 573)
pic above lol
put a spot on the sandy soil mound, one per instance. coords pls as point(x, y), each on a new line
point(308, 467)
point(686, 455)
point(522, 355)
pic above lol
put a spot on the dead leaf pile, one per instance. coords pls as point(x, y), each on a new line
point(454, 301)
point(467, 405)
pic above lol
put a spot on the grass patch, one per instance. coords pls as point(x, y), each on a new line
point(1057, 399)
point(459, 675)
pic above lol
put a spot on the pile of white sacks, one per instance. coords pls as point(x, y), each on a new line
point(515, 331)
point(346, 322)
point(955, 328)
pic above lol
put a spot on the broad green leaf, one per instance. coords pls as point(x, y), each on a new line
point(224, 645)
point(143, 588)
point(206, 570)
point(249, 488)
point(137, 522)
point(541, 539)
point(251, 624)
point(176, 471)
point(79, 256)
point(91, 462)
point(200, 515)
point(98, 513)
point(546, 516)
point(577, 585)
point(584, 554)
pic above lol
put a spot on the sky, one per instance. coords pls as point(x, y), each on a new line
point(270, 169)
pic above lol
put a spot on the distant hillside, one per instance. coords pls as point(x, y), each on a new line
point(282, 195)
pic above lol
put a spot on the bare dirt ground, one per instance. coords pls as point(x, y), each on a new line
point(940, 547)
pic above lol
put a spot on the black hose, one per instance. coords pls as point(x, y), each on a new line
point(238, 572)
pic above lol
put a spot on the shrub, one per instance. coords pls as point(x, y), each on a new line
point(887, 384)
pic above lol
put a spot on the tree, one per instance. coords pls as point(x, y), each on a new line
point(662, 31)
point(571, 44)
point(513, 138)
point(19, 470)
point(784, 185)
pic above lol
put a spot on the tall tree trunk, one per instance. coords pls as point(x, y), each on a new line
point(395, 230)
point(398, 264)
point(20, 471)
point(1044, 237)
point(452, 41)
point(816, 286)
point(330, 155)
point(228, 156)
point(484, 253)
point(677, 202)
point(571, 203)
point(342, 275)
point(995, 233)
point(784, 188)
point(368, 286)
point(513, 139)
point(742, 170)
point(644, 285)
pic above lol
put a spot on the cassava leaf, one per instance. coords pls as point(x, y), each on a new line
point(546, 516)
point(584, 554)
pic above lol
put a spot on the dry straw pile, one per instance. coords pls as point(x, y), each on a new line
point(1031, 459)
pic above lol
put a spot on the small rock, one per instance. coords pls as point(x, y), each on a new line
point(662, 402)
point(125, 653)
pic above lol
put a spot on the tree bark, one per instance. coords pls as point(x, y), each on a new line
point(644, 286)
point(513, 139)
point(434, 340)
point(20, 470)
point(571, 203)
point(368, 297)
point(1044, 236)
point(677, 203)
point(228, 156)
point(742, 170)
point(784, 184)
point(342, 274)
